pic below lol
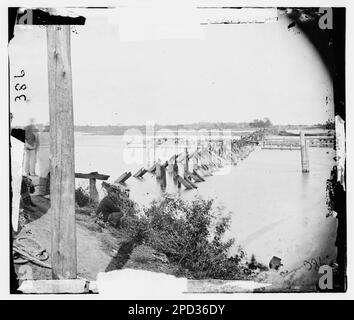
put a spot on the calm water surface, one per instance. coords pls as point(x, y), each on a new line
point(275, 208)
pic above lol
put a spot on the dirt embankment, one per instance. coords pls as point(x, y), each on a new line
point(99, 249)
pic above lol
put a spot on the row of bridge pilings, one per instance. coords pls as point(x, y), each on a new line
point(189, 167)
point(194, 165)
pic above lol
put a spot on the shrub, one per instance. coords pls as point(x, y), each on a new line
point(191, 236)
point(82, 197)
point(126, 205)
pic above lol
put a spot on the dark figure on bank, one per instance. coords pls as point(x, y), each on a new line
point(109, 209)
point(27, 188)
point(31, 146)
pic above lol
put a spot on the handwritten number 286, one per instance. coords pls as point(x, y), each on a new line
point(19, 87)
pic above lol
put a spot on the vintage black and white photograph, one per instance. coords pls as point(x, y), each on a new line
point(177, 148)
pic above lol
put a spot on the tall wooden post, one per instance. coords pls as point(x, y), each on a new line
point(221, 152)
point(158, 169)
point(196, 157)
point(93, 191)
point(175, 169)
point(154, 146)
point(186, 169)
point(304, 153)
point(62, 172)
point(209, 147)
point(163, 177)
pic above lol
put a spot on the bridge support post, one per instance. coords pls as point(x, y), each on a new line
point(186, 168)
point(304, 153)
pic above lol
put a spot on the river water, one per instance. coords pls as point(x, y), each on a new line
point(276, 209)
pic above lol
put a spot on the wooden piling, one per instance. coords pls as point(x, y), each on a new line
point(163, 177)
point(209, 146)
point(93, 176)
point(175, 168)
point(93, 191)
point(62, 171)
point(186, 160)
point(158, 169)
point(140, 173)
point(304, 153)
point(123, 177)
point(186, 183)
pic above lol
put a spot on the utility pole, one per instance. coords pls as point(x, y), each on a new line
point(62, 171)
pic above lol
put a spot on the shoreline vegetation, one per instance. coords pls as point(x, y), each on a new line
point(234, 126)
point(187, 237)
point(242, 126)
point(171, 236)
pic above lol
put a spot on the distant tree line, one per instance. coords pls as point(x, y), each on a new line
point(120, 129)
point(259, 123)
point(329, 125)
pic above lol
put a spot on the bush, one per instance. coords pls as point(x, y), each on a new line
point(191, 236)
point(82, 197)
point(126, 205)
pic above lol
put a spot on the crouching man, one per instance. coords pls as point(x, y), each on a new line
point(109, 209)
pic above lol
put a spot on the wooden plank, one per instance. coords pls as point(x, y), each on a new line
point(140, 173)
point(127, 176)
point(136, 174)
point(185, 183)
point(198, 175)
point(119, 179)
point(152, 169)
point(62, 171)
point(123, 177)
point(92, 175)
point(186, 177)
point(193, 176)
point(205, 172)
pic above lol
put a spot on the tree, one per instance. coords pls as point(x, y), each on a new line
point(329, 125)
point(258, 123)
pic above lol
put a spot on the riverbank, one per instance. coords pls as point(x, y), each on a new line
point(102, 248)
point(99, 249)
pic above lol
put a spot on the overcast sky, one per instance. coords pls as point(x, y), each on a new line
point(219, 73)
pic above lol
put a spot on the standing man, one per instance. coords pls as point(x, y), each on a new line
point(31, 144)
